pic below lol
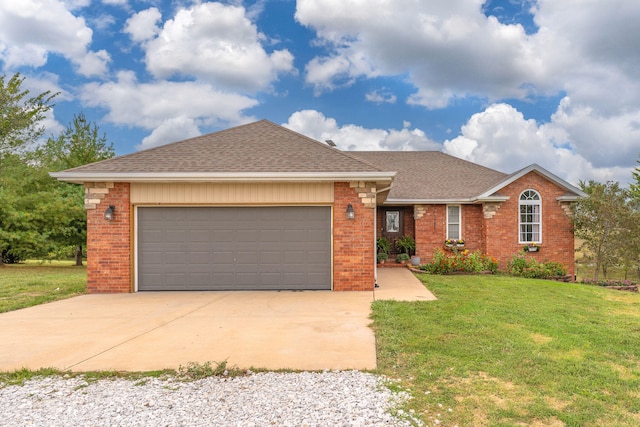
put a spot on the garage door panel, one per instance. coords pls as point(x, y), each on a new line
point(200, 235)
point(222, 235)
point(249, 235)
point(153, 236)
point(196, 258)
point(222, 258)
point(191, 248)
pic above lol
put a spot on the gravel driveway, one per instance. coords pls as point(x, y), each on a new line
point(335, 398)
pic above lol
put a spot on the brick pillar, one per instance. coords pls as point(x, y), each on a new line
point(108, 242)
point(353, 239)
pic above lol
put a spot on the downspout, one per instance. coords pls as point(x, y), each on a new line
point(375, 240)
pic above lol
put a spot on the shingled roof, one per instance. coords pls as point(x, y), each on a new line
point(259, 150)
point(264, 151)
point(433, 176)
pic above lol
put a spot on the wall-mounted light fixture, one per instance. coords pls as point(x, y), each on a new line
point(108, 214)
point(350, 212)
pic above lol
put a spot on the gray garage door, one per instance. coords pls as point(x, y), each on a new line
point(241, 248)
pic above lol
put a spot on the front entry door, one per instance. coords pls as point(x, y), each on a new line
point(393, 225)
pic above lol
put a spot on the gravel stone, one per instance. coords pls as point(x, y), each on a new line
point(330, 398)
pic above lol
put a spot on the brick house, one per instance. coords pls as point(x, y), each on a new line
point(260, 207)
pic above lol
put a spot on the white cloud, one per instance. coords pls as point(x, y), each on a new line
point(171, 130)
point(380, 97)
point(501, 138)
point(448, 47)
point(30, 30)
point(607, 140)
point(351, 137)
point(157, 105)
point(212, 42)
point(143, 25)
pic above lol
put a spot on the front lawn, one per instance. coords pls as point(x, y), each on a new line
point(504, 351)
point(33, 283)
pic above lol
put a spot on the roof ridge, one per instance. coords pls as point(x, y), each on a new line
point(393, 152)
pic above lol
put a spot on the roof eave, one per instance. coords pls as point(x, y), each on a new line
point(81, 177)
point(428, 201)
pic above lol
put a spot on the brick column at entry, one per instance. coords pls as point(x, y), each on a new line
point(353, 240)
point(108, 242)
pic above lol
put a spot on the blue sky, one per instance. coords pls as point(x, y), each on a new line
point(503, 83)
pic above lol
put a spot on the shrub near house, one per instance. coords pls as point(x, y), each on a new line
point(460, 261)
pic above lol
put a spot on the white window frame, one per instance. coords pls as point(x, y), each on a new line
point(458, 223)
point(530, 198)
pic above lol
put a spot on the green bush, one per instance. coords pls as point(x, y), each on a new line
point(403, 257)
point(460, 261)
point(521, 266)
point(383, 245)
point(406, 244)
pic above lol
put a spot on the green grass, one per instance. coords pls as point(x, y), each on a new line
point(503, 351)
point(33, 283)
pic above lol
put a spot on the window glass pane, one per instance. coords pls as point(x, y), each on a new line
point(393, 221)
point(454, 214)
point(454, 231)
point(453, 222)
point(536, 214)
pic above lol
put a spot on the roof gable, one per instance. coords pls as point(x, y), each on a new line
point(253, 151)
point(573, 193)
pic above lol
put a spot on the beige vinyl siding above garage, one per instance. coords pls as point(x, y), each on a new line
point(231, 193)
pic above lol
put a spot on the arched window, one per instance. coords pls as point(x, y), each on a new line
point(530, 220)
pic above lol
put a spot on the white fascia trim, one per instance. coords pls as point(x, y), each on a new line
point(80, 177)
point(493, 199)
point(445, 201)
point(568, 198)
point(427, 201)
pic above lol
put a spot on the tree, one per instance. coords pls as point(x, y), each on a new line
point(634, 188)
point(24, 223)
point(80, 143)
point(603, 221)
point(20, 116)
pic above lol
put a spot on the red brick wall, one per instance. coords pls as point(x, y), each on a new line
point(557, 236)
point(472, 234)
point(109, 244)
point(353, 242)
point(431, 229)
point(430, 232)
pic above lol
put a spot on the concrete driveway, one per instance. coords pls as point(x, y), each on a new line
point(309, 330)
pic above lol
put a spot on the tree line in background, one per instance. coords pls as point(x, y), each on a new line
point(40, 217)
point(608, 223)
point(43, 218)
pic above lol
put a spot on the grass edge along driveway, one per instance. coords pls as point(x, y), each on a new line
point(33, 283)
point(503, 351)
